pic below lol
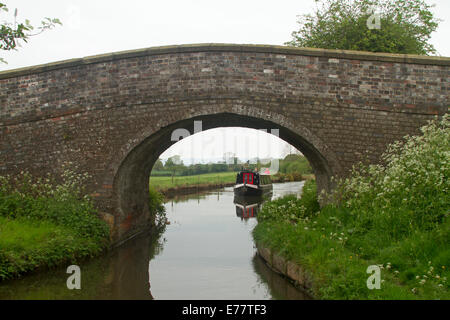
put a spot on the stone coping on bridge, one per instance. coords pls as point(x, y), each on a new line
point(220, 47)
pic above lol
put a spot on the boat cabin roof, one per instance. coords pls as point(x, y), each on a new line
point(249, 171)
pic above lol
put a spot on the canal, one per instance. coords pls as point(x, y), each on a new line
point(206, 252)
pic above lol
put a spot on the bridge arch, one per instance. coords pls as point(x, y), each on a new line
point(132, 168)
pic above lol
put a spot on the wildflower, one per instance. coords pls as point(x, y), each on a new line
point(440, 285)
point(422, 281)
point(414, 290)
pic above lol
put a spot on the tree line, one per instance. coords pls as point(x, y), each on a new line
point(173, 166)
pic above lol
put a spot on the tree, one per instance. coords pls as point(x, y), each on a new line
point(159, 166)
point(11, 33)
point(174, 164)
point(293, 157)
point(394, 26)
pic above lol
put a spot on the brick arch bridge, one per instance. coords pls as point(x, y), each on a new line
point(112, 115)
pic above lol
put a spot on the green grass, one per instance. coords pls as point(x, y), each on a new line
point(164, 183)
point(26, 234)
point(44, 224)
point(28, 244)
point(339, 269)
point(394, 216)
point(337, 254)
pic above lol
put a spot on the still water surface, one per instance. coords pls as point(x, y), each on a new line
point(207, 252)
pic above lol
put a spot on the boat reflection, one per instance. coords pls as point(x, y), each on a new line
point(248, 206)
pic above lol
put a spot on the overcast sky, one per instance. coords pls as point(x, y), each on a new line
point(98, 26)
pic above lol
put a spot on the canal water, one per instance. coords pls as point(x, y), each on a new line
point(206, 252)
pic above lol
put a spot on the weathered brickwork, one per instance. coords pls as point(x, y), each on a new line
point(113, 115)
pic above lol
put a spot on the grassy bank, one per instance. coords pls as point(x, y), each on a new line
point(290, 177)
point(395, 216)
point(44, 224)
point(210, 180)
point(163, 184)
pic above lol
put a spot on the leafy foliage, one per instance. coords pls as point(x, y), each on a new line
point(412, 188)
point(295, 163)
point(405, 26)
point(44, 223)
point(290, 208)
point(156, 206)
point(393, 215)
point(11, 33)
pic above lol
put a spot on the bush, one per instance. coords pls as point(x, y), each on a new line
point(156, 205)
point(60, 215)
point(290, 208)
point(410, 191)
point(63, 203)
point(295, 164)
point(393, 215)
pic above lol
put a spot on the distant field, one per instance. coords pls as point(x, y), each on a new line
point(161, 183)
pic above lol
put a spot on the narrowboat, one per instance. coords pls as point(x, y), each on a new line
point(249, 183)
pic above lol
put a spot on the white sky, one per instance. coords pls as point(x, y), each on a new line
point(242, 142)
point(98, 26)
